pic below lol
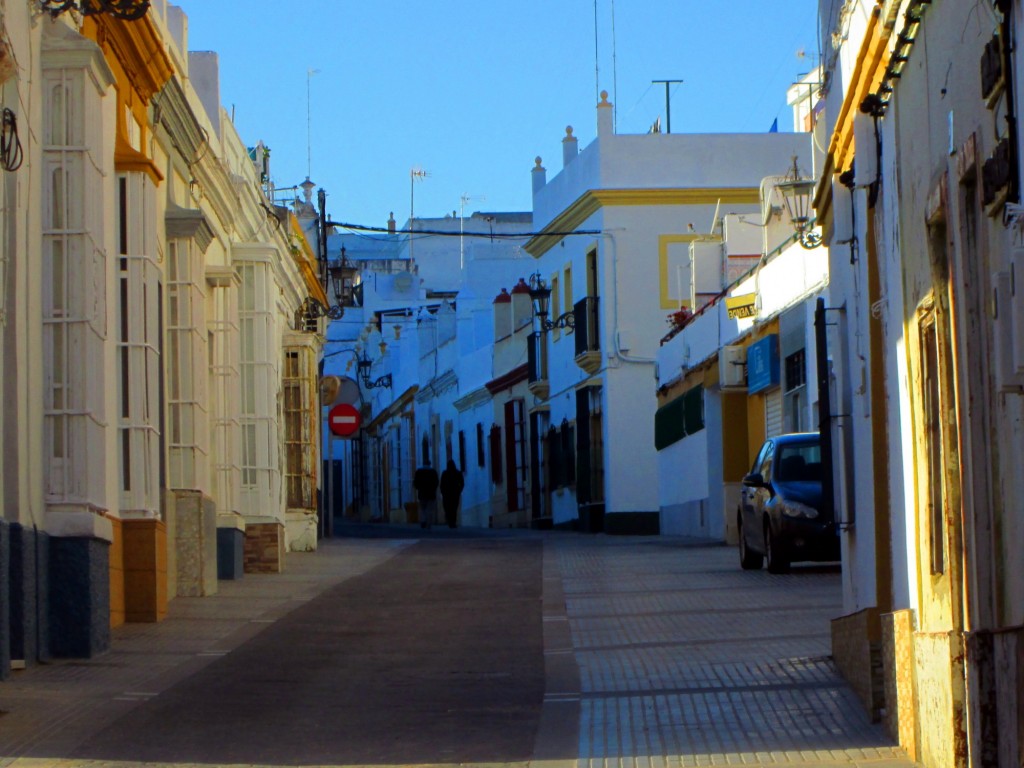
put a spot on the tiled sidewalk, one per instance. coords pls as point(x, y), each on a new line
point(47, 710)
point(685, 659)
point(657, 653)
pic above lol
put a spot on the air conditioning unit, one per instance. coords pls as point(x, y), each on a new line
point(732, 367)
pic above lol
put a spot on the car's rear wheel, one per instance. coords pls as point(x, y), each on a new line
point(773, 551)
point(749, 560)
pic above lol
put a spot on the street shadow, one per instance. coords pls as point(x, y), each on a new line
point(437, 658)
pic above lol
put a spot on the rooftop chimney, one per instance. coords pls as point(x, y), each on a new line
point(570, 147)
point(391, 223)
point(540, 176)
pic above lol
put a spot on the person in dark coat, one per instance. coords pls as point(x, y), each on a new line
point(425, 482)
point(451, 491)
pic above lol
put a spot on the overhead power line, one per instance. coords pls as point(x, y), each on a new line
point(491, 235)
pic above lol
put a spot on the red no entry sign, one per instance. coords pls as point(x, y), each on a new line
point(343, 420)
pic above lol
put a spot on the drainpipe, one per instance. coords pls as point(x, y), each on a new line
point(824, 409)
point(615, 307)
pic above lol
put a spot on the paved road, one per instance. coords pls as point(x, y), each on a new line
point(466, 648)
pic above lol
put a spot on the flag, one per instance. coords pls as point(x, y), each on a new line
point(775, 126)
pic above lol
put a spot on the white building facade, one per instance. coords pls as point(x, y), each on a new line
point(613, 243)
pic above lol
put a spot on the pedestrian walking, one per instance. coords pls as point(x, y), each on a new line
point(451, 491)
point(425, 482)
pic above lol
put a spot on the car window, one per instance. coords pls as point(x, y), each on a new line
point(798, 462)
point(759, 459)
point(766, 461)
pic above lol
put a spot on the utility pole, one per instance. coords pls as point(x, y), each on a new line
point(462, 217)
point(668, 106)
point(414, 173)
point(309, 123)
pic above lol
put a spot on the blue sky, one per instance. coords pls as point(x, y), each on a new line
point(471, 92)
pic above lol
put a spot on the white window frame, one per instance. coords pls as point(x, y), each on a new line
point(74, 289)
point(258, 366)
point(225, 380)
point(188, 431)
point(139, 363)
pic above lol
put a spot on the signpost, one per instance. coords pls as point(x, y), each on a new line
point(341, 421)
point(344, 420)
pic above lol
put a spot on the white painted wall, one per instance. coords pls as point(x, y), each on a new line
point(791, 280)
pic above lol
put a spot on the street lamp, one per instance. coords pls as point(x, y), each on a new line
point(797, 194)
point(540, 294)
point(343, 277)
point(340, 275)
point(364, 364)
point(127, 10)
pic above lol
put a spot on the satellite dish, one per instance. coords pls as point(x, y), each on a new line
point(403, 281)
point(349, 391)
point(338, 389)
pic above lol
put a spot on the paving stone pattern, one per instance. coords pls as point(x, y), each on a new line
point(657, 653)
point(685, 659)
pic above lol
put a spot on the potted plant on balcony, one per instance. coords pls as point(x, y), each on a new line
point(679, 318)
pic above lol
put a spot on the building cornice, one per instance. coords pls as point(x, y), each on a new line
point(218, 276)
point(178, 127)
point(63, 48)
point(591, 201)
point(395, 408)
point(138, 48)
point(130, 160)
point(188, 223)
point(437, 386)
point(311, 341)
point(478, 396)
point(872, 59)
point(173, 113)
point(508, 380)
point(305, 260)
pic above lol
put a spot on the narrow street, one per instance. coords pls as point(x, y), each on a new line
point(463, 648)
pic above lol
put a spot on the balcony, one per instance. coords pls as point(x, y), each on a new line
point(586, 334)
point(537, 365)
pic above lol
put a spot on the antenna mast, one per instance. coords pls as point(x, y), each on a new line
point(309, 122)
point(668, 106)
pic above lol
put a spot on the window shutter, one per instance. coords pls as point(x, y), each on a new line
point(496, 454)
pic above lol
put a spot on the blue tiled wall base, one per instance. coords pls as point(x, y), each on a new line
point(79, 597)
point(230, 553)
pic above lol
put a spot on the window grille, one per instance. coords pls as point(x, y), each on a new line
point(795, 385)
point(139, 341)
point(300, 398)
point(187, 426)
point(74, 269)
point(225, 399)
point(259, 373)
point(515, 455)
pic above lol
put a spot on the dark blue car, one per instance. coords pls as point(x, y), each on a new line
point(781, 518)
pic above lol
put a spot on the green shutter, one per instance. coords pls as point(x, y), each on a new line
point(669, 423)
point(679, 418)
point(693, 404)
